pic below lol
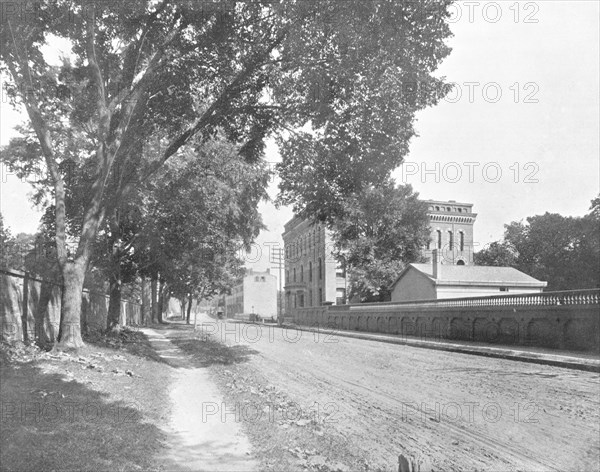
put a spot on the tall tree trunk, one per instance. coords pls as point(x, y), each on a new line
point(115, 277)
point(182, 305)
point(154, 288)
point(189, 309)
point(146, 308)
point(161, 301)
point(69, 335)
point(114, 304)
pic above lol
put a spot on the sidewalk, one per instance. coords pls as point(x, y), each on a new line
point(199, 439)
point(578, 360)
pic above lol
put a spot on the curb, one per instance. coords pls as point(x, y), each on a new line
point(575, 363)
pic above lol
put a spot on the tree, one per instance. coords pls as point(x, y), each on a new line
point(383, 228)
point(562, 250)
point(7, 244)
point(498, 253)
point(202, 210)
point(370, 71)
point(144, 67)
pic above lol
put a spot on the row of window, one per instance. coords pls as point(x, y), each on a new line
point(461, 240)
point(302, 244)
point(310, 272)
point(458, 209)
point(340, 271)
point(300, 302)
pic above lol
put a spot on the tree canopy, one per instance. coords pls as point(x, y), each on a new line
point(339, 81)
point(383, 228)
point(562, 250)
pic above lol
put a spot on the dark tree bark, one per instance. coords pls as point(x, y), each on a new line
point(115, 277)
point(114, 304)
point(154, 297)
point(182, 303)
point(189, 309)
point(161, 301)
point(146, 307)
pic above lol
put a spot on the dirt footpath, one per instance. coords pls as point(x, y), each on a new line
point(370, 402)
point(197, 439)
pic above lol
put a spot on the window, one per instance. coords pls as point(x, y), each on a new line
point(460, 210)
point(301, 300)
point(340, 270)
point(439, 239)
point(310, 274)
point(340, 296)
point(262, 279)
point(461, 240)
point(429, 244)
point(320, 269)
point(310, 298)
point(287, 276)
point(460, 262)
point(437, 208)
point(450, 240)
point(294, 274)
point(504, 289)
point(320, 296)
point(301, 273)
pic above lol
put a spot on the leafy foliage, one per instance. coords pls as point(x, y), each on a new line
point(202, 211)
point(143, 80)
point(562, 250)
point(383, 228)
point(370, 71)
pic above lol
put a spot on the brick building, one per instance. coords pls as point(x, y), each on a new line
point(313, 277)
point(451, 232)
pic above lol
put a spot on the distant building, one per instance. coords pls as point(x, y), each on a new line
point(435, 280)
point(451, 231)
point(312, 275)
point(256, 294)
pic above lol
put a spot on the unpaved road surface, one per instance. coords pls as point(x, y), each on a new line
point(456, 411)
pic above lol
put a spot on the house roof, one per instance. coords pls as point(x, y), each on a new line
point(475, 275)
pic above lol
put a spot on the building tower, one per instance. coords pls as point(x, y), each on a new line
point(451, 226)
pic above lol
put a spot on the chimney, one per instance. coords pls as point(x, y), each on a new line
point(435, 260)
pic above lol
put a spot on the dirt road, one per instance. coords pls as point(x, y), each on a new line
point(458, 412)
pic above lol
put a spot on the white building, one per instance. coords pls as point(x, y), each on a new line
point(256, 294)
point(436, 280)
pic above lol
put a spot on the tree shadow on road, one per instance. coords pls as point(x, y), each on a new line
point(205, 351)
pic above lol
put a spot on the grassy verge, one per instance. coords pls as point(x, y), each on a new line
point(98, 409)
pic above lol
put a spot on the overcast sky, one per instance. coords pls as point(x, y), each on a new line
point(519, 135)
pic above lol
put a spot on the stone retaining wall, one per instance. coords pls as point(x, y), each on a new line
point(30, 309)
point(573, 326)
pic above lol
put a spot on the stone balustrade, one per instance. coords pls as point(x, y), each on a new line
point(563, 320)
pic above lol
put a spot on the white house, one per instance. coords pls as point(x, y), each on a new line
point(435, 280)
